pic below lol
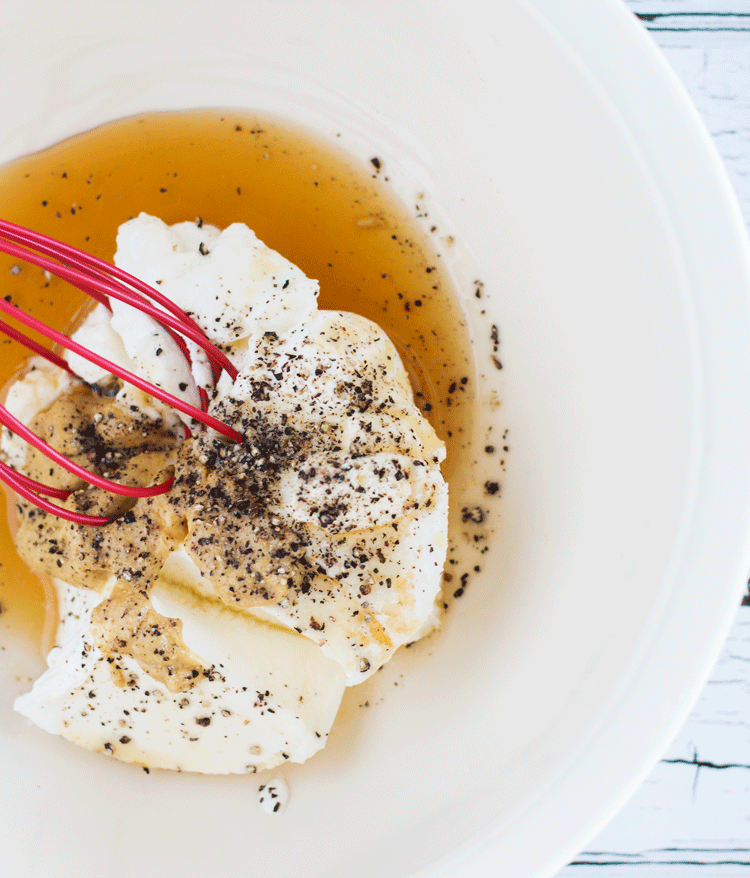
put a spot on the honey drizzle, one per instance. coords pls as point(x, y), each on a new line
point(331, 215)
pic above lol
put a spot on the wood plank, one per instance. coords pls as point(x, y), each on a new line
point(665, 16)
point(675, 22)
point(638, 869)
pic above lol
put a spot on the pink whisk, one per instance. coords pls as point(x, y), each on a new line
point(101, 281)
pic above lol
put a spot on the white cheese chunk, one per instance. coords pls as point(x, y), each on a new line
point(229, 282)
point(271, 698)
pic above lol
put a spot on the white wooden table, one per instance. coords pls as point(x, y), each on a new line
point(691, 817)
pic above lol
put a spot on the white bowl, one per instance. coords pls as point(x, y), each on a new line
point(554, 143)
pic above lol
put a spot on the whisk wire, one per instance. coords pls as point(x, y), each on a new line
point(12, 423)
point(98, 284)
point(61, 251)
point(130, 377)
point(101, 281)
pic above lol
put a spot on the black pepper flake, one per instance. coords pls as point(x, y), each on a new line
point(472, 513)
point(203, 720)
point(203, 250)
point(183, 386)
point(124, 739)
point(491, 488)
point(162, 189)
point(376, 163)
point(495, 337)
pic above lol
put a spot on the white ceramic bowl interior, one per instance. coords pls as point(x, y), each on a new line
point(554, 145)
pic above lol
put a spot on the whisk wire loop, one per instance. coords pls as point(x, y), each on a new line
point(101, 281)
point(61, 251)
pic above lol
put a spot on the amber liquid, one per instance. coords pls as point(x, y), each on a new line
point(331, 215)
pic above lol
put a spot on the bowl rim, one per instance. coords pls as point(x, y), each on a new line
point(620, 59)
